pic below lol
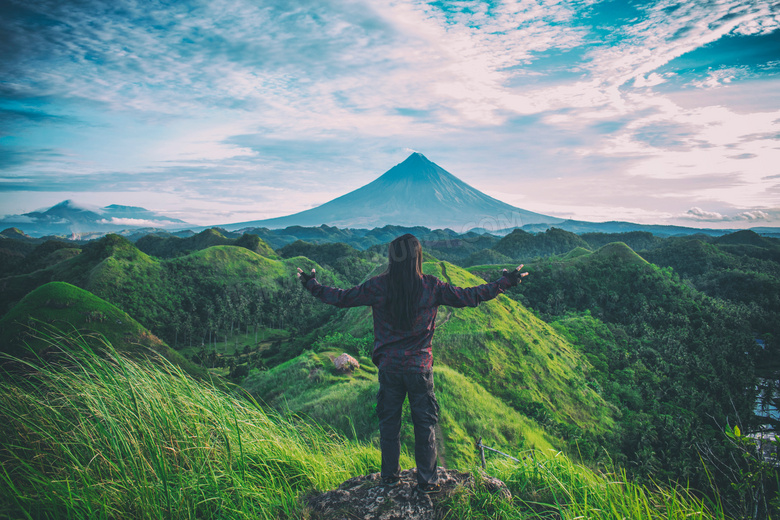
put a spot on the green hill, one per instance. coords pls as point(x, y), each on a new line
point(746, 237)
point(190, 299)
point(309, 386)
point(353, 265)
point(742, 267)
point(512, 354)
point(575, 253)
point(676, 362)
point(170, 246)
point(59, 307)
point(64, 305)
point(521, 245)
point(636, 240)
point(486, 257)
point(517, 357)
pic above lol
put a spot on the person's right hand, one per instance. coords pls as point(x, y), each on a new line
point(514, 276)
point(303, 277)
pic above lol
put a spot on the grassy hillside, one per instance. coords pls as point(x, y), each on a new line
point(512, 354)
point(171, 246)
point(191, 299)
point(64, 305)
point(118, 438)
point(309, 386)
point(56, 306)
point(678, 364)
point(520, 245)
point(517, 357)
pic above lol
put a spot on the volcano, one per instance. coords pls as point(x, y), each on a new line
point(72, 218)
point(416, 192)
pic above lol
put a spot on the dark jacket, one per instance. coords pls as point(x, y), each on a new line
point(398, 350)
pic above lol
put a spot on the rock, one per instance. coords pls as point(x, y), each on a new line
point(346, 363)
point(494, 485)
point(366, 498)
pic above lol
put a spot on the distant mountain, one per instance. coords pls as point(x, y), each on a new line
point(416, 192)
point(579, 227)
point(71, 218)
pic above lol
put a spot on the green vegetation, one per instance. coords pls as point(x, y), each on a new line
point(550, 485)
point(520, 245)
point(61, 305)
point(352, 265)
point(309, 386)
point(600, 354)
point(172, 246)
point(501, 341)
point(513, 355)
point(636, 240)
point(743, 268)
point(110, 437)
point(104, 436)
point(678, 364)
point(197, 299)
point(65, 305)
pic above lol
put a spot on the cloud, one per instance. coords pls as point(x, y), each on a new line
point(720, 77)
point(700, 214)
point(750, 216)
point(135, 222)
point(11, 157)
point(651, 80)
point(19, 219)
point(281, 105)
point(10, 116)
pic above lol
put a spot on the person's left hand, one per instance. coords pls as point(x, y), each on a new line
point(514, 276)
point(303, 277)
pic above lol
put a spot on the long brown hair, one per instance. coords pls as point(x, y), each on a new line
point(404, 280)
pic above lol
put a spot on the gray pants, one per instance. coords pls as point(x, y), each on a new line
point(393, 388)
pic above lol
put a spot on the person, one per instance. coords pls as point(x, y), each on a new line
point(404, 304)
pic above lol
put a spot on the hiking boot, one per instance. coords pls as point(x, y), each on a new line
point(390, 481)
point(428, 489)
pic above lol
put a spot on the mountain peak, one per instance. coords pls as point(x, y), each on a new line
point(416, 157)
point(72, 204)
point(416, 168)
point(415, 192)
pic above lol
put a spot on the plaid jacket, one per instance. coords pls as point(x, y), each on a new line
point(397, 350)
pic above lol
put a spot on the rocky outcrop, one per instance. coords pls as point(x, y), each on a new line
point(346, 363)
point(366, 498)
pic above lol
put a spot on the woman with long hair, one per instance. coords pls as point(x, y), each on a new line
point(404, 303)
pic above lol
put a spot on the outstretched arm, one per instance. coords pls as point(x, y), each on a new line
point(454, 296)
point(366, 293)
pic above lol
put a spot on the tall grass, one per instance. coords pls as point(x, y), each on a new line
point(88, 433)
point(105, 436)
point(550, 485)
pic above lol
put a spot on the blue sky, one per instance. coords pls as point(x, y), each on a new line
point(231, 110)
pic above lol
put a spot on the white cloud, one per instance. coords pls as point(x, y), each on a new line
point(651, 80)
point(700, 214)
point(137, 222)
point(21, 219)
point(720, 77)
point(751, 216)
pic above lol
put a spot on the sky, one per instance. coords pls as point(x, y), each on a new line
point(219, 111)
